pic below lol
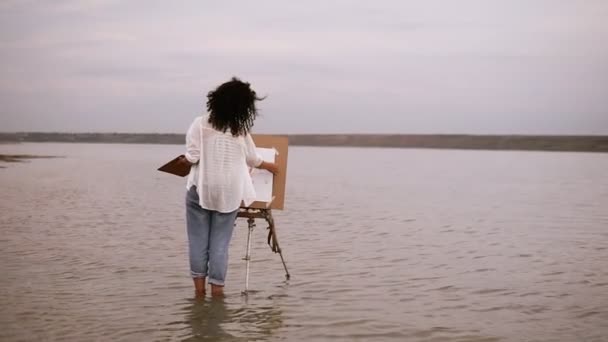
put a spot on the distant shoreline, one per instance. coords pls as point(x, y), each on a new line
point(591, 143)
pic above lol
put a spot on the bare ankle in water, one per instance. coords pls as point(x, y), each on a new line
point(199, 287)
point(217, 291)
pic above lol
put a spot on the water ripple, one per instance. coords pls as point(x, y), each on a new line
point(503, 247)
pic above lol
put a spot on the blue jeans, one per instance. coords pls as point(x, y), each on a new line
point(209, 234)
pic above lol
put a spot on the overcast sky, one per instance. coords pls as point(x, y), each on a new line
point(449, 66)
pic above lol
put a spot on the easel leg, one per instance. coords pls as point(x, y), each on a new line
point(273, 241)
point(287, 275)
point(251, 224)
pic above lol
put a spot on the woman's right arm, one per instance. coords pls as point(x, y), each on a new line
point(254, 160)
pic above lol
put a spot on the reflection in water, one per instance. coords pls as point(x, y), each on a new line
point(205, 318)
point(215, 319)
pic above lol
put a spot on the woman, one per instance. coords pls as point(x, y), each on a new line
point(220, 151)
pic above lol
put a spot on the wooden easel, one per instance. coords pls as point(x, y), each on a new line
point(251, 214)
point(262, 210)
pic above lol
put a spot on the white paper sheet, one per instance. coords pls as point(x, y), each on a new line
point(262, 179)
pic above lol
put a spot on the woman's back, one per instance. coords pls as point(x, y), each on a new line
point(224, 167)
point(225, 180)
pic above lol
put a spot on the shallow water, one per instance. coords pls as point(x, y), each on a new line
point(382, 244)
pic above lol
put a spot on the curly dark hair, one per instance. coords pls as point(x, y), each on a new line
point(231, 107)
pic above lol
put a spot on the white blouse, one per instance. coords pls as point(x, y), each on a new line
point(221, 170)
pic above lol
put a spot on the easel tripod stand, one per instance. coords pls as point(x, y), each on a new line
point(252, 214)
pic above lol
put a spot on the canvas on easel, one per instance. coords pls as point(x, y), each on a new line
point(272, 148)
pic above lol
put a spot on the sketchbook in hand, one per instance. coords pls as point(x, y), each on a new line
point(176, 167)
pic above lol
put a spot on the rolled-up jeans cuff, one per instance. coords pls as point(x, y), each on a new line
point(197, 275)
point(215, 282)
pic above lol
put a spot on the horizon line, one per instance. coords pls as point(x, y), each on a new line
point(338, 134)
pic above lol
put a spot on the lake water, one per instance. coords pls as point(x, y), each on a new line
point(382, 245)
